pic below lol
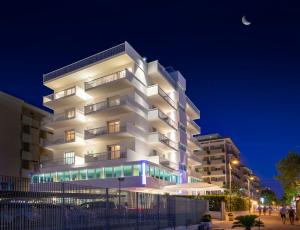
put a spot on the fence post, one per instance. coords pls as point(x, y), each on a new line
point(64, 206)
point(137, 211)
point(106, 210)
point(158, 214)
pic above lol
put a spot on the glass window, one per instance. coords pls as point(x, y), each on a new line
point(69, 158)
point(161, 174)
point(54, 177)
point(147, 169)
point(152, 171)
point(113, 126)
point(83, 174)
point(70, 113)
point(99, 173)
point(60, 176)
point(136, 170)
point(47, 177)
point(108, 172)
point(115, 152)
point(74, 175)
point(35, 179)
point(70, 135)
point(127, 170)
point(117, 171)
point(67, 176)
point(91, 173)
point(157, 172)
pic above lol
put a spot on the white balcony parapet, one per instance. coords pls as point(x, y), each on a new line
point(100, 131)
point(68, 115)
point(57, 140)
point(155, 89)
point(157, 113)
point(109, 103)
point(95, 157)
point(75, 90)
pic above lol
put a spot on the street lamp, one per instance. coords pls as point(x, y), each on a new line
point(250, 178)
point(231, 162)
point(120, 179)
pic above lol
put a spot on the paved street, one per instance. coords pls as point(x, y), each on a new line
point(272, 222)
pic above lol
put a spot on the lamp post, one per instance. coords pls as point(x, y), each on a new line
point(249, 193)
point(233, 162)
point(120, 179)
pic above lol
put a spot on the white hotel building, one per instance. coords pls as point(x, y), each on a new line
point(115, 115)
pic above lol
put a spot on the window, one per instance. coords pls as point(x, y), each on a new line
point(115, 151)
point(70, 91)
point(99, 173)
point(114, 101)
point(69, 158)
point(136, 170)
point(70, 113)
point(74, 175)
point(108, 172)
point(127, 170)
point(67, 176)
point(26, 146)
point(83, 174)
point(60, 176)
point(25, 164)
point(117, 171)
point(26, 129)
point(91, 173)
point(113, 126)
point(70, 135)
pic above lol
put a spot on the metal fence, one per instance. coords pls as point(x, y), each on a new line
point(56, 206)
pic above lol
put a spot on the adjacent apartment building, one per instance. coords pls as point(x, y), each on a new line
point(218, 155)
point(117, 115)
point(21, 137)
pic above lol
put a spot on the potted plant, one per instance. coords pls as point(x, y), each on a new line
point(247, 221)
point(205, 222)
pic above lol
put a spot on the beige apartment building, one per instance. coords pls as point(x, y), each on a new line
point(218, 156)
point(117, 115)
point(21, 137)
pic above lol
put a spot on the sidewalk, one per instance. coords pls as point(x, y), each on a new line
point(272, 222)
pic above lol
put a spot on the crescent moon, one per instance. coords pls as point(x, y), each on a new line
point(245, 21)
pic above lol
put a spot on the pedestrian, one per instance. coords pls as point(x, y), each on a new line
point(265, 210)
point(292, 214)
point(270, 210)
point(282, 212)
point(259, 210)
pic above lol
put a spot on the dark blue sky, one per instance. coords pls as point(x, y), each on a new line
point(245, 80)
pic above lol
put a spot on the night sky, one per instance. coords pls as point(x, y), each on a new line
point(244, 79)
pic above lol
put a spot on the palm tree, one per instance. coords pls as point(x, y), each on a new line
point(247, 221)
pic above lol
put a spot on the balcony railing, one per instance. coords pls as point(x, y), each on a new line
point(105, 79)
point(64, 93)
point(57, 162)
point(193, 105)
point(91, 133)
point(105, 156)
point(164, 139)
point(166, 97)
point(109, 103)
point(61, 139)
point(68, 115)
point(167, 119)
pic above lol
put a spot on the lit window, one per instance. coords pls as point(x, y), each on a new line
point(113, 126)
point(70, 135)
point(127, 170)
point(70, 113)
point(69, 158)
point(115, 151)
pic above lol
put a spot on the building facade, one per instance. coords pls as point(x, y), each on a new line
point(21, 137)
point(118, 116)
point(218, 156)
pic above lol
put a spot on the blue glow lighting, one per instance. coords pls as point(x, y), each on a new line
point(143, 173)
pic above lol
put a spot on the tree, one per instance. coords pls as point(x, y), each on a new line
point(269, 196)
point(289, 174)
point(247, 222)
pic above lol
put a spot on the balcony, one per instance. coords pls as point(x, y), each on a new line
point(61, 142)
point(111, 133)
point(192, 110)
point(68, 118)
point(161, 141)
point(110, 107)
point(217, 161)
point(161, 121)
point(105, 156)
point(192, 127)
point(104, 85)
point(160, 76)
point(160, 99)
point(67, 97)
point(77, 160)
point(217, 172)
point(163, 160)
point(192, 143)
